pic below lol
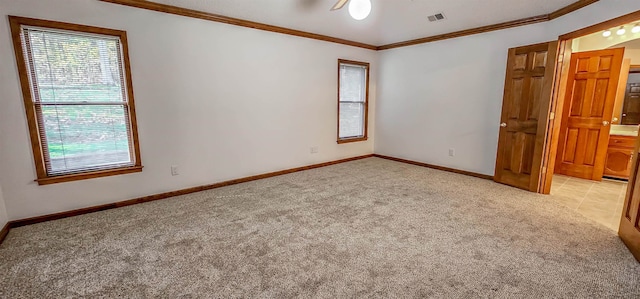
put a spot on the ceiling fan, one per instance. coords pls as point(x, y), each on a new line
point(358, 9)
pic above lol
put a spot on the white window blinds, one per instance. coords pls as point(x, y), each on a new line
point(353, 97)
point(80, 98)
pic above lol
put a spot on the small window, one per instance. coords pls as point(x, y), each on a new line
point(352, 100)
point(78, 97)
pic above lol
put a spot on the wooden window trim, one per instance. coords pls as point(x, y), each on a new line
point(350, 140)
point(42, 177)
point(366, 103)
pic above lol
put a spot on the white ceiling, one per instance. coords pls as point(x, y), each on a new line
point(390, 20)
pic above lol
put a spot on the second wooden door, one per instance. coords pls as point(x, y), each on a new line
point(630, 219)
point(525, 115)
point(588, 109)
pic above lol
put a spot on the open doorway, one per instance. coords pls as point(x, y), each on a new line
point(599, 120)
point(539, 136)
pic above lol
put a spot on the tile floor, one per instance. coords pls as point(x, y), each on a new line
point(599, 201)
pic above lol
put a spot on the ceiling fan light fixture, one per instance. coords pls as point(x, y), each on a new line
point(359, 9)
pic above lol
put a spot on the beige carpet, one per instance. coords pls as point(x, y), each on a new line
point(368, 228)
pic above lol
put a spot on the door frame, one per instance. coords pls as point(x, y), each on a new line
point(563, 60)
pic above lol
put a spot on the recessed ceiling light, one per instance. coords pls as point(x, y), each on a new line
point(606, 33)
point(621, 31)
point(636, 28)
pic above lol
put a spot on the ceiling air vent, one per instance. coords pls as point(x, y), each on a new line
point(436, 17)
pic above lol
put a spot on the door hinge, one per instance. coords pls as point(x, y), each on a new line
point(552, 116)
point(544, 169)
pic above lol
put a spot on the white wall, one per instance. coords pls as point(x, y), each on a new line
point(633, 54)
point(448, 94)
point(219, 101)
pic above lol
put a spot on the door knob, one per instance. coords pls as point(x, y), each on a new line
point(504, 125)
point(605, 123)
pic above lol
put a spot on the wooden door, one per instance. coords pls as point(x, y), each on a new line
point(588, 109)
point(629, 230)
point(525, 112)
point(631, 110)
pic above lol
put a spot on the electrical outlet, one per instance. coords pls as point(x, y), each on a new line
point(174, 170)
point(452, 152)
point(314, 150)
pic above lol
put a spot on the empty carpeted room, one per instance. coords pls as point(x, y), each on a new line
point(319, 149)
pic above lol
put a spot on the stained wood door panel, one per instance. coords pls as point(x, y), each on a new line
point(629, 230)
point(591, 122)
point(518, 157)
point(577, 143)
point(571, 142)
point(590, 98)
point(525, 109)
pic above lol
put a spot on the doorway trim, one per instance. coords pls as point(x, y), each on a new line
point(559, 91)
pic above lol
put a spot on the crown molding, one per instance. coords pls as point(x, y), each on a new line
point(484, 29)
point(175, 10)
point(466, 32)
point(631, 17)
point(570, 8)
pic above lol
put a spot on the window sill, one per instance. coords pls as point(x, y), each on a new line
point(87, 175)
point(349, 140)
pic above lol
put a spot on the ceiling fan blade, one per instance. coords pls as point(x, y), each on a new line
point(339, 4)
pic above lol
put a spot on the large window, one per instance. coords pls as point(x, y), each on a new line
point(78, 97)
point(353, 96)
